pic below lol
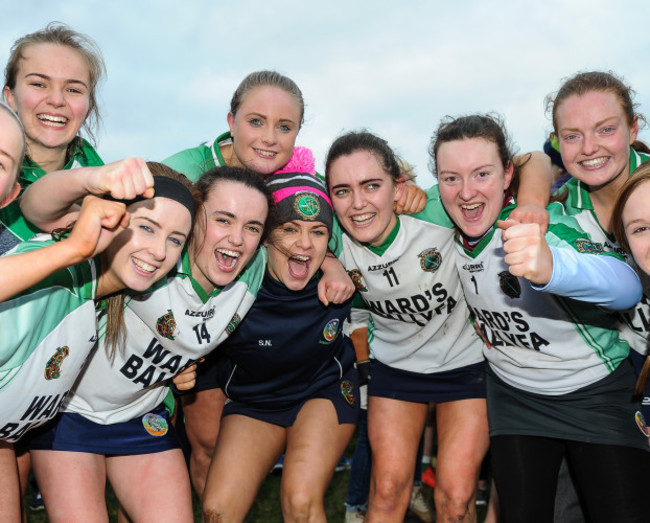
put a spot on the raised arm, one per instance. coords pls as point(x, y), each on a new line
point(600, 279)
point(535, 180)
point(99, 220)
point(51, 202)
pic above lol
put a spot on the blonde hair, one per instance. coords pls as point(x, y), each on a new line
point(267, 79)
point(60, 34)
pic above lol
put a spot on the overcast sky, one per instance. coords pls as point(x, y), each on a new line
point(393, 67)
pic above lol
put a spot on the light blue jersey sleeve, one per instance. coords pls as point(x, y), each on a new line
point(603, 280)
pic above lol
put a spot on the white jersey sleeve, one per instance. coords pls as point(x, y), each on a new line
point(48, 332)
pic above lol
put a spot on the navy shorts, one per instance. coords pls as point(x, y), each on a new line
point(343, 393)
point(71, 432)
point(451, 385)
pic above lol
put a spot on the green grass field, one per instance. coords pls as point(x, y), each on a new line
point(266, 508)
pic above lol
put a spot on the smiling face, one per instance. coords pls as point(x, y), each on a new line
point(228, 233)
point(363, 194)
point(51, 96)
point(472, 180)
point(594, 138)
point(148, 248)
point(636, 225)
point(11, 149)
point(296, 251)
point(264, 129)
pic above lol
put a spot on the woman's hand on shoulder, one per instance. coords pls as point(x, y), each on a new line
point(412, 201)
point(335, 286)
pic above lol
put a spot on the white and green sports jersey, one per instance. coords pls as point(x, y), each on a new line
point(636, 327)
point(197, 160)
point(167, 329)
point(539, 342)
point(419, 320)
point(48, 331)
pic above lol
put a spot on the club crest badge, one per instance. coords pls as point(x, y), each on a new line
point(53, 366)
point(232, 324)
point(509, 285)
point(331, 330)
point(589, 247)
point(640, 422)
point(347, 389)
point(307, 206)
point(430, 260)
point(357, 279)
point(166, 325)
point(155, 424)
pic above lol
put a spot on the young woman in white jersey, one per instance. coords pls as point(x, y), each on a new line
point(422, 346)
point(596, 123)
point(51, 81)
point(116, 410)
point(559, 381)
point(130, 246)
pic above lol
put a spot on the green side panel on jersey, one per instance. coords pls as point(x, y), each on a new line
point(598, 337)
point(197, 160)
point(434, 211)
point(637, 158)
point(11, 216)
point(565, 231)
